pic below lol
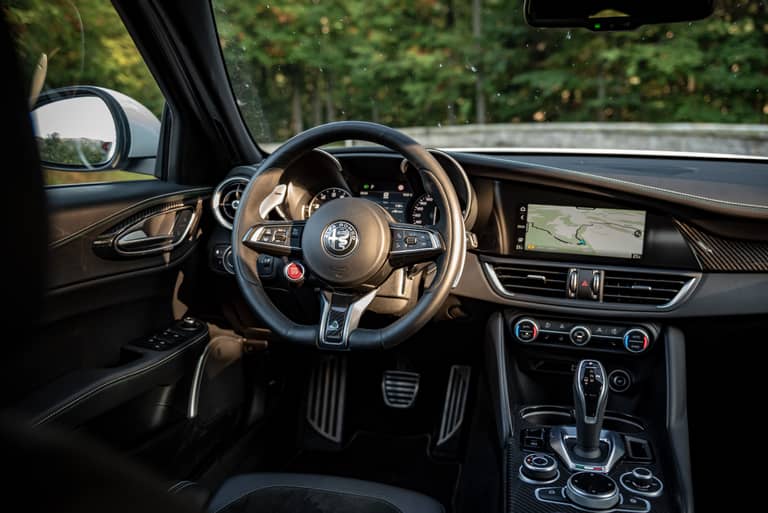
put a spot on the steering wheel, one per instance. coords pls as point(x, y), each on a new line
point(350, 244)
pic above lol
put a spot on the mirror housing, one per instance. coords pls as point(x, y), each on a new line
point(86, 128)
point(611, 15)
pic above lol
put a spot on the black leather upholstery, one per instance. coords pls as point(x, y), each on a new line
point(308, 493)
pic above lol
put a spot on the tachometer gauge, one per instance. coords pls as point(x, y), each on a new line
point(324, 197)
point(424, 210)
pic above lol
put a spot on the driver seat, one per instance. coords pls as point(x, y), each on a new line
point(300, 493)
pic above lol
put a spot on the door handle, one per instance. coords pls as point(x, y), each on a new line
point(152, 234)
point(138, 240)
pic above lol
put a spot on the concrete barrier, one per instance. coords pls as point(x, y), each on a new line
point(688, 137)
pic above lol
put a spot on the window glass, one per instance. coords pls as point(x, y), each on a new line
point(473, 74)
point(83, 72)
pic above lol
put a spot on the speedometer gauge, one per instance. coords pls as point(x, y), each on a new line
point(424, 210)
point(324, 197)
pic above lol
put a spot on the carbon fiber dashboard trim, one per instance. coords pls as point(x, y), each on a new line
point(720, 254)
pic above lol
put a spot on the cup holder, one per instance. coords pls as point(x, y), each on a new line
point(549, 416)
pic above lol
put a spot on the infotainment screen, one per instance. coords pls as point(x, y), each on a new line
point(606, 232)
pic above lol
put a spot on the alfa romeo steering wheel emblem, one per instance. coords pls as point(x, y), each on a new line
point(340, 238)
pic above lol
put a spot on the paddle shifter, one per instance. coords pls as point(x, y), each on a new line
point(590, 395)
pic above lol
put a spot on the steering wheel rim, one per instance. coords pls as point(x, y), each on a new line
point(248, 217)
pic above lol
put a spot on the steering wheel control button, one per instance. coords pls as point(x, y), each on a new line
point(580, 335)
point(619, 380)
point(526, 330)
point(636, 340)
point(266, 266)
point(539, 468)
point(414, 242)
point(340, 238)
point(641, 481)
point(274, 237)
point(294, 272)
point(592, 490)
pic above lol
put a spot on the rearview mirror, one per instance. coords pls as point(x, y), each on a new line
point(601, 15)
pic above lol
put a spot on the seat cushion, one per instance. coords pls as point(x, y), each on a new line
point(308, 493)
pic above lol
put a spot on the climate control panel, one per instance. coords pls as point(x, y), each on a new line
point(574, 333)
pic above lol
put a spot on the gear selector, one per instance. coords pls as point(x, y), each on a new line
point(590, 395)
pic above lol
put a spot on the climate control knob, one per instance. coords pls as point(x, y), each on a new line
point(636, 340)
point(526, 330)
point(580, 335)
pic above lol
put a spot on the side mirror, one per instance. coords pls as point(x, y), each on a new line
point(601, 15)
point(86, 128)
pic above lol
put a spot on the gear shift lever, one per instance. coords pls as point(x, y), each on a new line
point(590, 395)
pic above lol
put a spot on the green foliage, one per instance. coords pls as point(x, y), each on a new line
point(410, 63)
point(86, 44)
point(73, 152)
point(298, 63)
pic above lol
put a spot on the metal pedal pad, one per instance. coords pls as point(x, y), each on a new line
point(326, 394)
point(455, 402)
point(400, 388)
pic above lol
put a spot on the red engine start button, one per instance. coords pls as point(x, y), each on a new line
point(294, 271)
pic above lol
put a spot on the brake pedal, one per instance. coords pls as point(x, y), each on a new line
point(455, 403)
point(326, 394)
point(400, 388)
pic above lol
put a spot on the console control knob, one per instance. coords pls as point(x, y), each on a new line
point(580, 335)
point(526, 330)
point(189, 324)
point(619, 380)
point(642, 482)
point(539, 467)
point(592, 490)
point(636, 340)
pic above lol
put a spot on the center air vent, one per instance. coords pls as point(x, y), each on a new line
point(642, 288)
point(226, 199)
point(532, 280)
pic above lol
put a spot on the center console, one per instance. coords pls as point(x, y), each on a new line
point(590, 414)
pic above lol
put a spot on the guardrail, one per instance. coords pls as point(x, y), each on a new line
point(734, 139)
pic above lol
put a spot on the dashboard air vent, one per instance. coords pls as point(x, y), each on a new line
point(642, 288)
point(226, 199)
point(532, 280)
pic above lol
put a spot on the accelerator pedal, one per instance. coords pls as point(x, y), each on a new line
point(455, 403)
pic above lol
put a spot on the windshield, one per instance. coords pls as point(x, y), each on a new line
point(473, 74)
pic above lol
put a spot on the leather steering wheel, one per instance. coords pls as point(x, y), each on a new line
point(351, 245)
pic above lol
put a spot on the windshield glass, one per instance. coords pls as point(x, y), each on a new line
point(473, 74)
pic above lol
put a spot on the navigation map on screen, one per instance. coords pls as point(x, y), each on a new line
point(607, 232)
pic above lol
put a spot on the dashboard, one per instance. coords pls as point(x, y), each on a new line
point(612, 235)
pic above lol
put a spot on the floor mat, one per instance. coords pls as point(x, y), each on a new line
point(398, 461)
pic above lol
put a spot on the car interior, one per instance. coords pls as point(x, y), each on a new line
point(379, 328)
